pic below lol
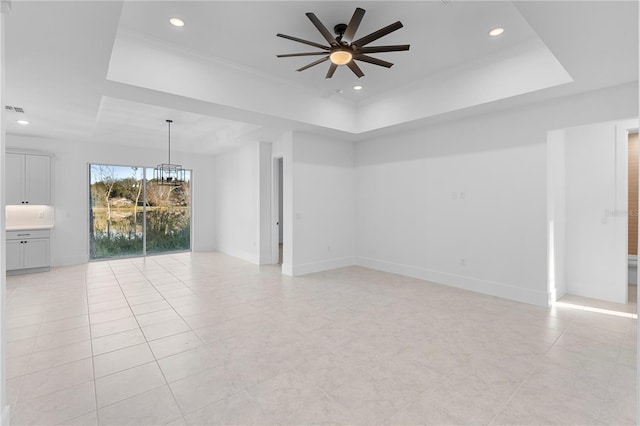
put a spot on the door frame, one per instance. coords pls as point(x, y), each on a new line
point(275, 207)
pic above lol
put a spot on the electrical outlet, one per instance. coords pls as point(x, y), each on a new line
point(41, 214)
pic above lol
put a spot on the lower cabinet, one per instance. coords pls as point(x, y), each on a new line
point(27, 251)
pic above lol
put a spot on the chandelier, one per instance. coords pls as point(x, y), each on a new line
point(167, 173)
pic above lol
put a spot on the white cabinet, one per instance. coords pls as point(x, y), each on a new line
point(28, 178)
point(27, 250)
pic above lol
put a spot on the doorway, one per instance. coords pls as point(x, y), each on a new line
point(277, 213)
point(587, 189)
point(632, 213)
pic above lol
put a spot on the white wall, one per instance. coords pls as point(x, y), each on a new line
point(280, 201)
point(70, 190)
point(596, 211)
point(323, 210)
point(4, 408)
point(237, 188)
point(556, 214)
point(411, 215)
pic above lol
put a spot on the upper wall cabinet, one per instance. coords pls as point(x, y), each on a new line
point(28, 178)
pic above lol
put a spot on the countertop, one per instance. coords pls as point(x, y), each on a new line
point(27, 227)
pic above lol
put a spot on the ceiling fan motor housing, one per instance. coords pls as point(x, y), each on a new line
point(340, 29)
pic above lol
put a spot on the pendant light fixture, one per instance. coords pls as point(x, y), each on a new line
point(167, 173)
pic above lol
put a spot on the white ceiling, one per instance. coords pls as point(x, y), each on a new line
point(109, 71)
point(442, 36)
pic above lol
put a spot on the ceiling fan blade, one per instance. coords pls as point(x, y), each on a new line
point(356, 69)
point(323, 30)
point(380, 49)
point(353, 25)
point(375, 61)
point(291, 55)
point(299, 40)
point(377, 34)
point(319, 61)
point(332, 69)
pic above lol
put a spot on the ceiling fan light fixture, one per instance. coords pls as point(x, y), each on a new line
point(341, 56)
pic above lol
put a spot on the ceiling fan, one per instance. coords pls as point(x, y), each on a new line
point(342, 49)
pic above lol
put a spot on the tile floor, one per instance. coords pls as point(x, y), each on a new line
point(209, 339)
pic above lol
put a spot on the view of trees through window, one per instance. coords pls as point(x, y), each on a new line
point(131, 215)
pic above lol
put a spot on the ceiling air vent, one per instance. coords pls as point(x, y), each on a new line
point(16, 109)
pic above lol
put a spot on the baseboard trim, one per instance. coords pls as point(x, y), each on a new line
point(287, 269)
point(6, 416)
point(70, 260)
point(241, 254)
point(490, 288)
point(28, 271)
point(324, 265)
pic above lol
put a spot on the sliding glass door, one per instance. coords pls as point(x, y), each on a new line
point(168, 215)
point(131, 215)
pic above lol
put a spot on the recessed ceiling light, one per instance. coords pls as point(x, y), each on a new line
point(358, 87)
point(23, 122)
point(176, 22)
point(496, 32)
point(339, 91)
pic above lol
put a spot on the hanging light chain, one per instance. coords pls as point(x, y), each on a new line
point(169, 121)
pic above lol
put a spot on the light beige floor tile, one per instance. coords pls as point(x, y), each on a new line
point(21, 333)
point(59, 356)
point(204, 388)
point(13, 390)
point(20, 347)
point(172, 345)
point(110, 315)
point(62, 338)
point(117, 341)
point(157, 317)
point(165, 329)
point(179, 366)
point(64, 324)
point(57, 378)
point(90, 419)
point(17, 365)
point(128, 383)
point(108, 305)
point(238, 409)
point(148, 307)
point(178, 422)
point(56, 407)
point(24, 320)
point(348, 346)
point(113, 327)
point(122, 359)
point(154, 407)
point(288, 396)
point(144, 299)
